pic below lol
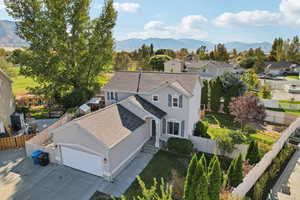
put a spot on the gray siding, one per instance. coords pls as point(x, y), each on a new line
point(178, 114)
point(127, 149)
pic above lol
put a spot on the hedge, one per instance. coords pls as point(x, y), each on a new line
point(180, 145)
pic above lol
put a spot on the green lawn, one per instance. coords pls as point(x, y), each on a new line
point(288, 101)
point(293, 77)
point(21, 83)
point(264, 138)
point(160, 166)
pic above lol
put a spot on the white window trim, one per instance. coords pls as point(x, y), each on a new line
point(173, 97)
point(155, 95)
point(174, 121)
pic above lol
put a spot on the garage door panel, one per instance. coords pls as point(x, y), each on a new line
point(82, 161)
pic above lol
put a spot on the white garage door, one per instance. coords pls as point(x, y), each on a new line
point(82, 161)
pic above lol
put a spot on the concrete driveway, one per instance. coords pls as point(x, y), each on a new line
point(21, 179)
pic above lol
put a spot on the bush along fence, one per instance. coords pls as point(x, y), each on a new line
point(14, 142)
point(256, 172)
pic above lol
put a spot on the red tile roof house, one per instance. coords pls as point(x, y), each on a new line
point(140, 107)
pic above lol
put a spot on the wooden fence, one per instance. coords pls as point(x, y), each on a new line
point(14, 142)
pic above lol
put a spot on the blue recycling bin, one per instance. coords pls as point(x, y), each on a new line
point(35, 156)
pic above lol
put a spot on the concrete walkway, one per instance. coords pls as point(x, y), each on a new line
point(285, 178)
point(123, 181)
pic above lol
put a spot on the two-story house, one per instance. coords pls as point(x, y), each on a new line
point(141, 107)
point(7, 105)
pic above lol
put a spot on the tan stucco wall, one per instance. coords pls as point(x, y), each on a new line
point(7, 105)
point(127, 149)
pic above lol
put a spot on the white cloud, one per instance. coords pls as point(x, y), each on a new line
point(189, 27)
point(290, 10)
point(256, 18)
point(289, 13)
point(127, 7)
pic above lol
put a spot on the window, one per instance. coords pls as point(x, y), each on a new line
point(173, 128)
point(175, 102)
point(155, 98)
point(112, 96)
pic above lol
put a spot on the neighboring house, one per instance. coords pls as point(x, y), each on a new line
point(279, 68)
point(209, 69)
point(174, 65)
point(7, 105)
point(140, 107)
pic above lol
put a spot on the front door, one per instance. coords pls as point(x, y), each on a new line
point(153, 129)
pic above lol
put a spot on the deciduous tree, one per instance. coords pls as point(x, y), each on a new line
point(247, 108)
point(67, 49)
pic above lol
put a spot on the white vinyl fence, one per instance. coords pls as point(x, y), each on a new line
point(272, 103)
point(256, 172)
point(210, 146)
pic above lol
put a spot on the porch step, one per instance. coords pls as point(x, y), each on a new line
point(149, 148)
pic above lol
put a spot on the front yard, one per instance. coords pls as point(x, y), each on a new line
point(172, 168)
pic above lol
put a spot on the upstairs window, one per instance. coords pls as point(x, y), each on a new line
point(175, 102)
point(155, 98)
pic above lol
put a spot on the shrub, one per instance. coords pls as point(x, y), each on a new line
point(253, 153)
point(225, 144)
point(180, 145)
point(201, 129)
point(249, 129)
point(237, 137)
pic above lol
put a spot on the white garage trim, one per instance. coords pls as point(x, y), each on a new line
point(82, 161)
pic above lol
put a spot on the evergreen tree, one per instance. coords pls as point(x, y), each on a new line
point(215, 179)
point(204, 94)
point(188, 192)
point(231, 173)
point(203, 163)
point(253, 153)
point(201, 192)
point(216, 94)
point(235, 172)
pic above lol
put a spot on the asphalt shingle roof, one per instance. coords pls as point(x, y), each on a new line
point(149, 107)
point(110, 125)
point(129, 81)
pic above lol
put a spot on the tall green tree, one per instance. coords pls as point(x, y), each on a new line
point(67, 49)
point(157, 62)
point(215, 94)
point(204, 94)
point(235, 173)
point(201, 189)
point(253, 156)
point(188, 192)
point(215, 179)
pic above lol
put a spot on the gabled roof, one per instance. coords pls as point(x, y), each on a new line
point(280, 65)
point(209, 63)
point(110, 125)
point(143, 82)
point(147, 106)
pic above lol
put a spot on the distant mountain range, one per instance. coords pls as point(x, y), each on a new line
point(8, 38)
point(159, 43)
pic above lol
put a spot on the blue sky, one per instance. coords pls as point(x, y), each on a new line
point(211, 20)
